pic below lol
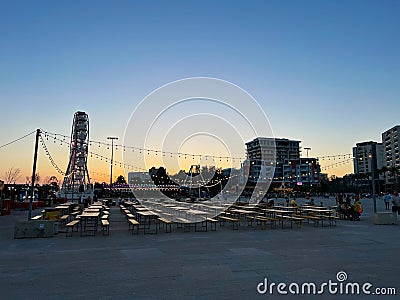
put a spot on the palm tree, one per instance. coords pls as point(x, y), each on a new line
point(384, 171)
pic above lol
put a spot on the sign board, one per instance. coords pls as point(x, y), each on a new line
point(299, 183)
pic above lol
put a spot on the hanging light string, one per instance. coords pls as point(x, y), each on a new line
point(343, 162)
point(17, 140)
point(66, 139)
point(48, 154)
point(60, 138)
point(337, 156)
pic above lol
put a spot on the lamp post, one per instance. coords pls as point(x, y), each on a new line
point(308, 168)
point(112, 156)
point(372, 156)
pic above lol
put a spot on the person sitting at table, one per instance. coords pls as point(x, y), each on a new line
point(294, 203)
point(271, 203)
point(356, 210)
point(312, 201)
point(345, 210)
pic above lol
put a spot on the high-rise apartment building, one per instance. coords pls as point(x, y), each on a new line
point(278, 160)
point(391, 141)
point(363, 154)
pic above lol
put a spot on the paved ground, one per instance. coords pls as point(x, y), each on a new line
point(224, 264)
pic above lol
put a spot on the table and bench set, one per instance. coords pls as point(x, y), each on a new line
point(159, 215)
point(202, 217)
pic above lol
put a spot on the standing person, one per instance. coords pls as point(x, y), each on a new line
point(396, 202)
point(348, 200)
point(387, 199)
point(357, 210)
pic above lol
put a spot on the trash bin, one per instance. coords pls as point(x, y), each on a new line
point(52, 214)
point(7, 204)
point(55, 227)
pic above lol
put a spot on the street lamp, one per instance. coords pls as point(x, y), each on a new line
point(372, 156)
point(308, 167)
point(112, 156)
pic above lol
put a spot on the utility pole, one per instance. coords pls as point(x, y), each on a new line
point(34, 173)
point(373, 161)
point(112, 157)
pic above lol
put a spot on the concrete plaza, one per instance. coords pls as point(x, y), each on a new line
point(225, 264)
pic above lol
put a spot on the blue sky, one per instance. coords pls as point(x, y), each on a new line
point(325, 72)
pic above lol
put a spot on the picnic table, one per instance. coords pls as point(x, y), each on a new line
point(145, 218)
point(89, 221)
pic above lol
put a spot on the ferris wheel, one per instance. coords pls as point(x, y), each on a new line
point(77, 178)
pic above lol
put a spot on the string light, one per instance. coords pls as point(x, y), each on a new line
point(63, 138)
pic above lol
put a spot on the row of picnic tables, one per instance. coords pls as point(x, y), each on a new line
point(195, 213)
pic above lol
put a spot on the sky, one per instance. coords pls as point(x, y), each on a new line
point(326, 73)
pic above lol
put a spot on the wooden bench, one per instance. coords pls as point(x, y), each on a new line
point(332, 219)
point(166, 223)
point(105, 227)
point(314, 218)
point(204, 224)
point(129, 216)
point(262, 220)
point(235, 222)
point(104, 217)
point(298, 220)
point(71, 225)
point(133, 224)
point(64, 219)
point(186, 224)
point(212, 222)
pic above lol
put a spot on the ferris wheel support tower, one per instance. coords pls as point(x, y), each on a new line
point(77, 181)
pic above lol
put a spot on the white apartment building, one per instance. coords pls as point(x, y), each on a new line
point(362, 156)
point(391, 141)
point(278, 160)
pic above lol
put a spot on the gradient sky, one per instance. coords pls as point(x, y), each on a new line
point(325, 72)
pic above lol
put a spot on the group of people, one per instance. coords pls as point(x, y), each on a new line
point(395, 199)
point(347, 209)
